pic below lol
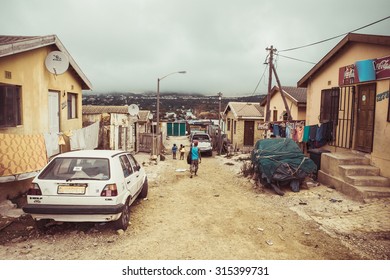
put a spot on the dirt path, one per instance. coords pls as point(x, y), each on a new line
point(215, 215)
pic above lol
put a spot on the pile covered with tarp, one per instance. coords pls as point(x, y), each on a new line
point(279, 162)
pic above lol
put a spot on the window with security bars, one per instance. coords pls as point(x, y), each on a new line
point(329, 105)
point(10, 104)
point(337, 108)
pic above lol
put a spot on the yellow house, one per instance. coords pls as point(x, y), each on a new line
point(40, 92)
point(40, 100)
point(349, 90)
point(243, 120)
point(296, 102)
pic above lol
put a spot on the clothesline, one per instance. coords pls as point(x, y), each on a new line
point(314, 135)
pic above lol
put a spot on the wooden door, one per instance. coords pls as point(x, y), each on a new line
point(249, 133)
point(365, 118)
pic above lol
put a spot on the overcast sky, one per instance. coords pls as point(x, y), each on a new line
point(126, 45)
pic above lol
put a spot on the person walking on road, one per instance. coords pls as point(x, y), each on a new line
point(182, 151)
point(174, 150)
point(195, 158)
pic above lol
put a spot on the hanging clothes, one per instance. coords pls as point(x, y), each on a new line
point(92, 136)
point(288, 131)
point(306, 132)
point(299, 130)
point(294, 134)
point(276, 130)
point(282, 131)
point(313, 132)
point(51, 142)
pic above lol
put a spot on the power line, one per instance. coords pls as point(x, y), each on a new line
point(332, 38)
point(295, 58)
point(262, 76)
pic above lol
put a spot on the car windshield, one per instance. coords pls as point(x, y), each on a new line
point(201, 137)
point(77, 169)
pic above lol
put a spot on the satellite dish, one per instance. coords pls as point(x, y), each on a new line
point(150, 116)
point(133, 110)
point(57, 62)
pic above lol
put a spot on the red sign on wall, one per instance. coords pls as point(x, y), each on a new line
point(365, 70)
point(347, 75)
point(382, 68)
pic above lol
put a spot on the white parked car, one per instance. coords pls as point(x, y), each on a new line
point(87, 186)
point(204, 142)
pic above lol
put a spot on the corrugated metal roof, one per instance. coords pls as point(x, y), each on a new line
point(143, 115)
point(10, 45)
point(5, 40)
point(92, 109)
point(246, 110)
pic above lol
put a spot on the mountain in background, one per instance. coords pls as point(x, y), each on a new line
point(169, 101)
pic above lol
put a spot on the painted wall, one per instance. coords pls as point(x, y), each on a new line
point(277, 104)
point(29, 71)
point(380, 155)
point(328, 78)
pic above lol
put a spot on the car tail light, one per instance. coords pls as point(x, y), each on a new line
point(34, 189)
point(110, 190)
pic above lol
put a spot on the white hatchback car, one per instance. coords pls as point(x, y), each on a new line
point(87, 186)
point(205, 144)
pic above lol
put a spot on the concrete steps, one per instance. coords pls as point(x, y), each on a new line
point(353, 175)
point(365, 180)
point(359, 169)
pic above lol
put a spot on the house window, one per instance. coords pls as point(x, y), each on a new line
point(329, 104)
point(72, 106)
point(10, 103)
point(275, 115)
point(235, 127)
point(228, 124)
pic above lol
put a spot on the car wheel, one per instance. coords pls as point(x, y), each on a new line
point(124, 219)
point(144, 191)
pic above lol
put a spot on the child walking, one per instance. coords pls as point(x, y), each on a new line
point(182, 151)
point(174, 150)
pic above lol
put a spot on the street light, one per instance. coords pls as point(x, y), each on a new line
point(219, 124)
point(158, 107)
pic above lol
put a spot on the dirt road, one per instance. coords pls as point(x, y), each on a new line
point(215, 215)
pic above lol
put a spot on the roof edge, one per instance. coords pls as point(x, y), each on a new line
point(350, 37)
point(35, 42)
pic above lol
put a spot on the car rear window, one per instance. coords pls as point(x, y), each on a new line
point(77, 168)
point(201, 137)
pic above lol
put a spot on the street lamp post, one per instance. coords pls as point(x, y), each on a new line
point(219, 124)
point(158, 108)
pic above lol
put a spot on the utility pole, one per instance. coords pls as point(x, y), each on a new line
point(272, 69)
point(270, 65)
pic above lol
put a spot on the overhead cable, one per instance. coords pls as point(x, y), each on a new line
point(332, 38)
point(262, 76)
point(295, 58)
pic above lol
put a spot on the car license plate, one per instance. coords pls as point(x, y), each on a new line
point(64, 189)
